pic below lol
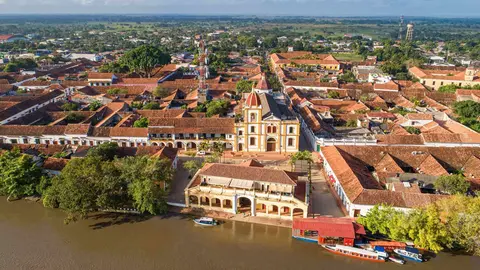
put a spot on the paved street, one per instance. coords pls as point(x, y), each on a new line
point(180, 181)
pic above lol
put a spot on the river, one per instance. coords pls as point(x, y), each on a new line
point(32, 237)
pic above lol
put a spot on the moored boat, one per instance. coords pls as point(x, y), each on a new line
point(355, 253)
point(409, 254)
point(396, 260)
point(205, 221)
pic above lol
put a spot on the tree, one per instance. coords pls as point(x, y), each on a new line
point(73, 118)
point(216, 107)
point(192, 166)
point(452, 184)
point(11, 67)
point(19, 175)
point(151, 106)
point(161, 92)
point(461, 214)
point(450, 88)
point(105, 151)
point(144, 176)
point(352, 123)
point(413, 130)
point(117, 91)
point(423, 226)
point(143, 59)
point(85, 185)
point(333, 94)
point(348, 76)
point(467, 109)
point(114, 67)
point(243, 86)
point(95, 105)
point(70, 106)
point(204, 146)
point(141, 123)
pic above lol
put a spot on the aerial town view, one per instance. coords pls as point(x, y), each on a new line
point(208, 134)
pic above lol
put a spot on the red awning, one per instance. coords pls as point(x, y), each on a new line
point(330, 227)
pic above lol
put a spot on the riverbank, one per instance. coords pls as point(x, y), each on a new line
point(34, 237)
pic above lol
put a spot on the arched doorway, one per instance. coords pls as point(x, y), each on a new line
point(216, 202)
point(285, 211)
point(179, 145)
point(240, 147)
point(261, 208)
point(204, 201)
point(271, 145)
point(192, 145)
point(193, 199)
point(273, 210)
point(227, 203)
point(170, 145)
point(244, 205)
point(155, 144)
point(297, 212)
point(162, 144)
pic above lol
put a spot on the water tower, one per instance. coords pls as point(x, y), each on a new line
point(410, 28)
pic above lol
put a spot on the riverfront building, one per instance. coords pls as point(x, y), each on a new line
point(248, 188)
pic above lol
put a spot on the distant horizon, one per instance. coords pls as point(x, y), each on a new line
point(238, 15)
point(307, 8)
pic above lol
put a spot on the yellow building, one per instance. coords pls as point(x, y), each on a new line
point(250, 189)
point(435, 79)
point(267, 126)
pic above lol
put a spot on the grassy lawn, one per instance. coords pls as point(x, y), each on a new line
point(348, 57)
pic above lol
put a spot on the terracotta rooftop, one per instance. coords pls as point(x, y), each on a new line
point(249, 173)
point(253, 100)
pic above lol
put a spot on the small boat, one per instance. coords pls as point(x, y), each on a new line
point(355, 253)
point(410, 254)
point(205, 221)
point(396, 260)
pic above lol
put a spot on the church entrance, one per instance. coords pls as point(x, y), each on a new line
point(271, 145)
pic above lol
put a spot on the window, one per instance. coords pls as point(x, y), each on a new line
point(240, 132)
point(25, 141)
point(269, 129)
point(37, 141)
point(433, 83)
point(441, 83)
point(14, 141)
point(253, 141)
point(274, 129)
point(252, 129)
point(291, 130)
point(290, 141)
point(253, 117)
point(460, 84)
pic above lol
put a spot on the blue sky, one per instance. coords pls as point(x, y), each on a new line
point(430, 8)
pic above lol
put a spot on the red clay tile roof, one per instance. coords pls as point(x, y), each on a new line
point(77, 129)
point(419, 116)
point(100, 76)
point(471, 168)
point(431, 166)
point(128, 132)
point(251, 163)
point(253, 100)
point(248, 173)
point(54, 164)
point(352, 174)
point(262, 84)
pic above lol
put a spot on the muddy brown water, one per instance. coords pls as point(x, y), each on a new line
point(32, 237)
